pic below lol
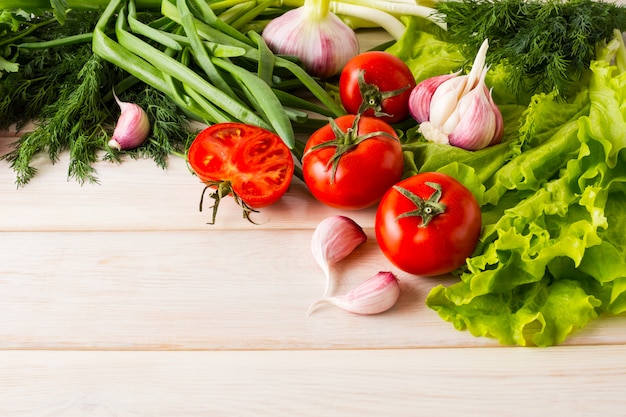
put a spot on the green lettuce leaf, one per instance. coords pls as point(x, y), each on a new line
point(552, 255)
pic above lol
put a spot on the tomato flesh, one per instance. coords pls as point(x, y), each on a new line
point(255, 161)
point(442, 245)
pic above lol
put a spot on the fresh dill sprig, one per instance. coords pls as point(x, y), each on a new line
point(545, 45)
point(82, 122)
point(73, 122)
point(41, 71)
point(66, 90)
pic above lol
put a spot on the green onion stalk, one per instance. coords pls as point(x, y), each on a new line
point(359, 13)
point(70, 4)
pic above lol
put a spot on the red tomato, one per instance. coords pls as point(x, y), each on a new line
point(251, 162)
point(352, 161)
point(426, 231)
point(377, 84)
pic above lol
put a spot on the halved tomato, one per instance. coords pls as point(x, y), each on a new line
point(249, 162)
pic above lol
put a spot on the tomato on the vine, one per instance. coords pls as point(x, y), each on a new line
point(249, 162)
point(428, 224)
point(352, 161)
point(377, 84)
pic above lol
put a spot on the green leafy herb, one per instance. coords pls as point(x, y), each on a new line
point(544, 45)
point(66, 90)
point(59, 8)
point(192, 64)
point(40, 73)
point(73, 117)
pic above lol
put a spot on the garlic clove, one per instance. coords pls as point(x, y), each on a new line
point(499, 131)
point(333, 239)
point(132, 128)
point(479, 70)
point(376, 295)
point(477, 124)
point(443, 112)
point(445, 99)
point(323, 42)
point(421, 96)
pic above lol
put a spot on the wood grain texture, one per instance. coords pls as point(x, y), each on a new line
point(226, 289)
point(131, 264)
point(415, 382)
point(195, 290)
point(138, 195)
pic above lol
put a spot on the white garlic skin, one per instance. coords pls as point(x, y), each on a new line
point(458, 109)
point(324, 45)
point(374, 296)
point(132, 128)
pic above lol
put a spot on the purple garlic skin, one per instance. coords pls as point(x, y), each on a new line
point(324, 44)
point(132, 128)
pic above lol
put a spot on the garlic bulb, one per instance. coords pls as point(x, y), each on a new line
point(458, 109)
point(335, 238)
point(376, 295)
point(132, 128)
point(322, 41)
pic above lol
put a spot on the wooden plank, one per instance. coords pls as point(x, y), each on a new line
point(425, 382)
point(193, 290)
point(138, 195)
point(201, 290)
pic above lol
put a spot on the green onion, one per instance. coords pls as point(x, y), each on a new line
point(212, 71)
point(199, 50)
point(266, 101)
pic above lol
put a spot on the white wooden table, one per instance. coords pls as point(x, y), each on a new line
point(118, 299)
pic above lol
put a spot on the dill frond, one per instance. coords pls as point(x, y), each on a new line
point(66, 91)
point(545, 45)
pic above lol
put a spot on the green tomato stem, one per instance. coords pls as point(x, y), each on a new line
point(344, 142)
point(426, 209)
point(372, 97)
point(222, 189)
